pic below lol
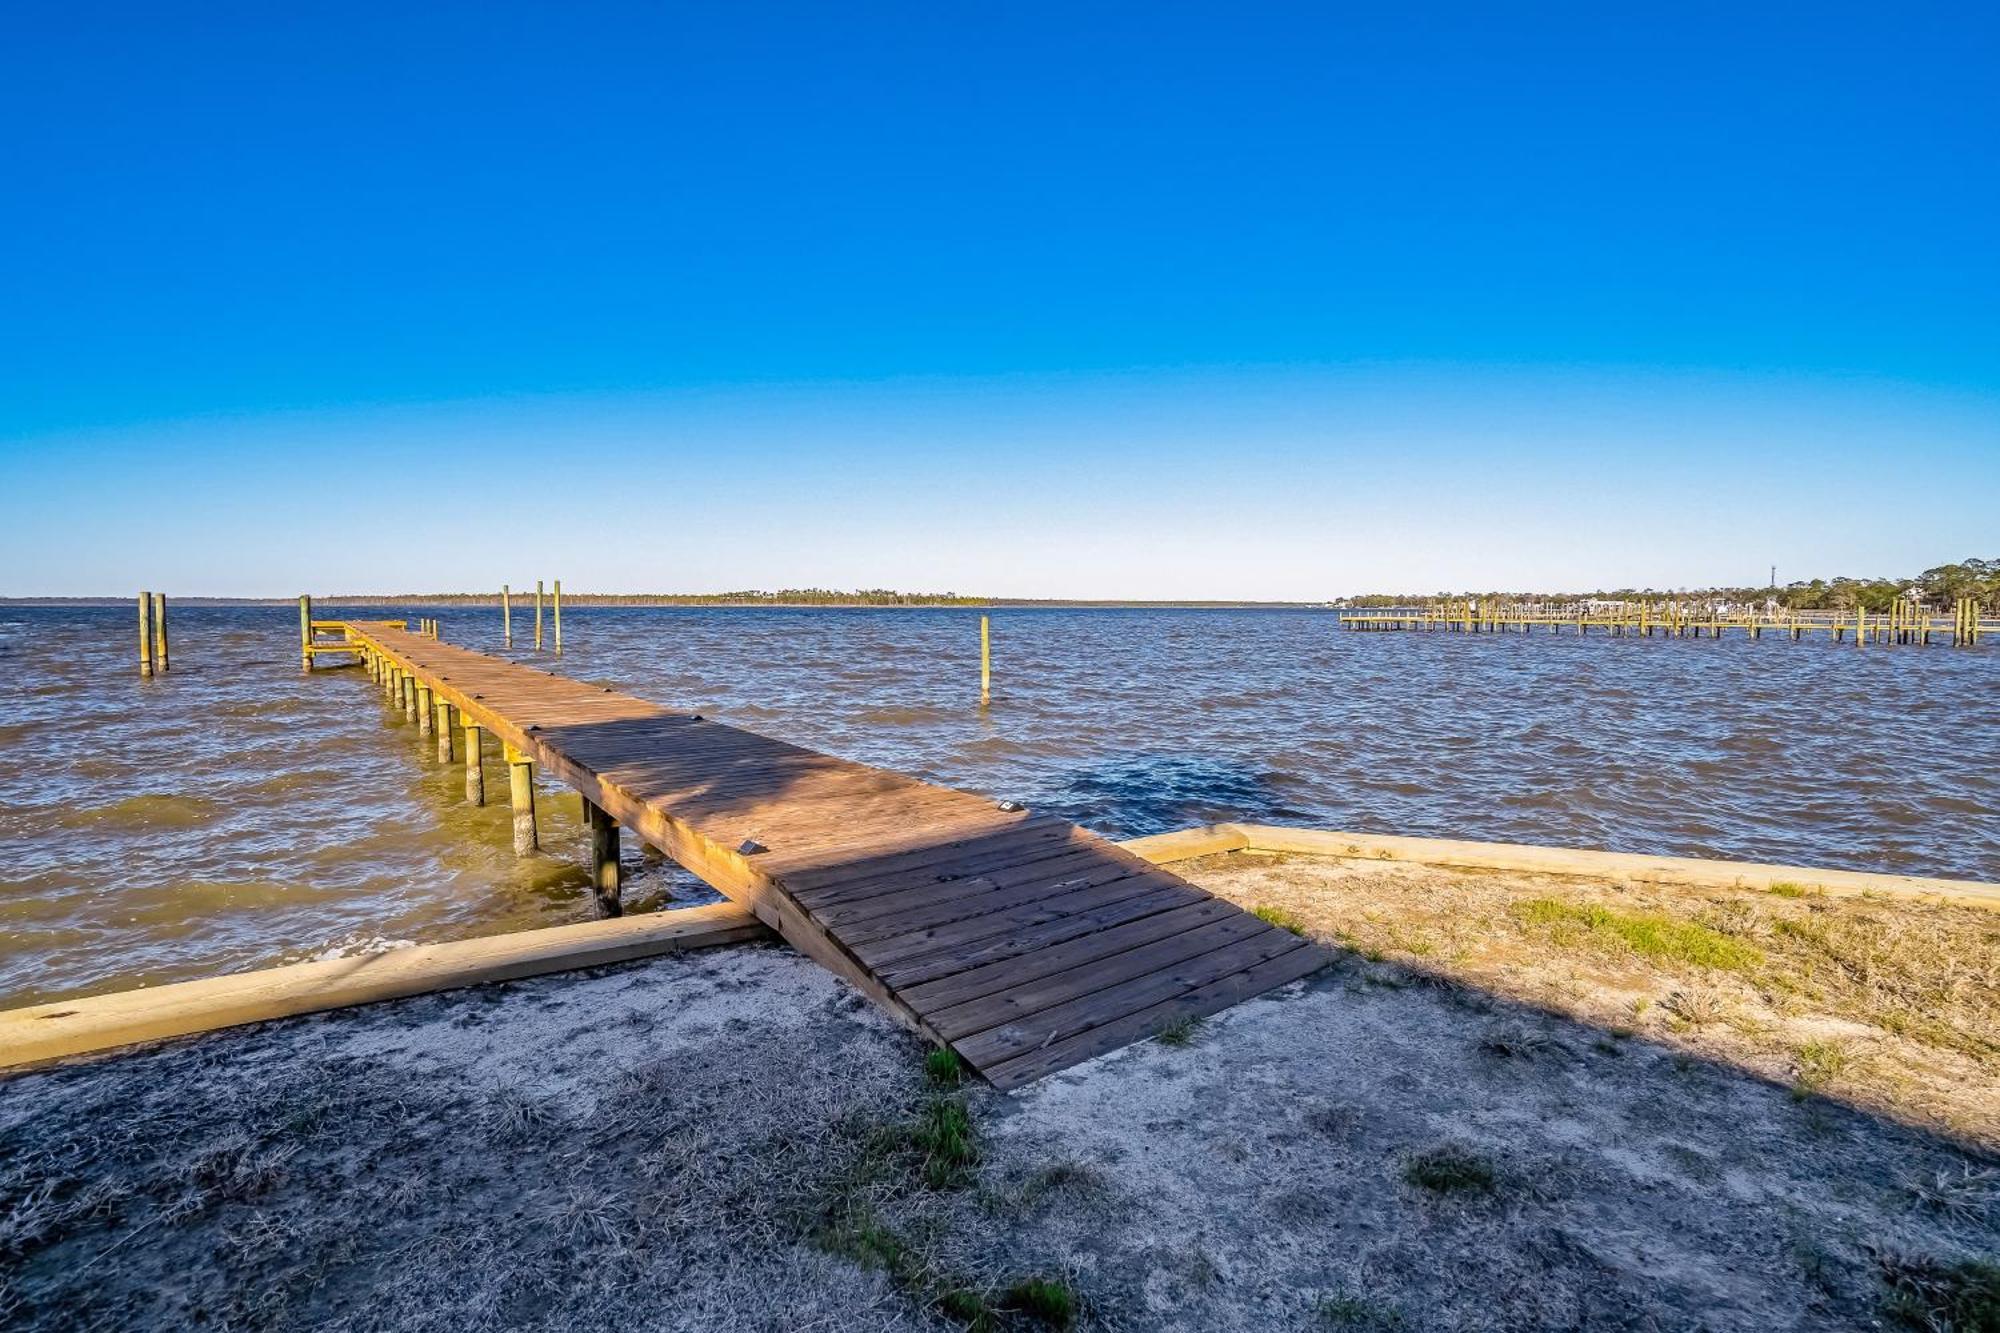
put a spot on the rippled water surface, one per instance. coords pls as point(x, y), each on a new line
point(236, 813)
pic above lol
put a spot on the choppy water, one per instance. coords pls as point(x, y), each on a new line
point(236, 813)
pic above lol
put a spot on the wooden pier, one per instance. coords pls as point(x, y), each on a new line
point(1901, 624)
point(1023, 942)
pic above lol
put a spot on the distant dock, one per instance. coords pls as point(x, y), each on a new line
point(1901, 624)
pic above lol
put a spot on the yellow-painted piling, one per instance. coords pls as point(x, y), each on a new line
point(538, 615)
point(161, 663)
point(146, 635)
point(475, 760)
point(521, 792)
point(985, 659)
point(305, 632)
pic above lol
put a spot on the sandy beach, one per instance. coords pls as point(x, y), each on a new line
point(1443, 1130)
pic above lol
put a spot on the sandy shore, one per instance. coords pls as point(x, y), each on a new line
point(1468, 1123)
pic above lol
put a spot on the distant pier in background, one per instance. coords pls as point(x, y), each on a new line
point(1903, 623)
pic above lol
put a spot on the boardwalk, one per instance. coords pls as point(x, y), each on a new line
point(1024, 942)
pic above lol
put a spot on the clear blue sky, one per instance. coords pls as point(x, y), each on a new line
point(1149, 300)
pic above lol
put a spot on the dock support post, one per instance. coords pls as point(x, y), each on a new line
point(521, 791)
point(409, 697)
point(161, 663)
point(507, 615)
point(146, 635)
point(305, 632)
point(985, 660)
point(475, 759)
point(538, 615)
point(425, 715)
point(442, 729)
point(558, 616)
point(604, 873)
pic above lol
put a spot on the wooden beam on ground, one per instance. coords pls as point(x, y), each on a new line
point(1692, 871)
point(1188, 843)
point(99, 1023)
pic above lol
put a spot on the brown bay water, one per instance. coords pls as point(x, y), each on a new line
point(237, 813)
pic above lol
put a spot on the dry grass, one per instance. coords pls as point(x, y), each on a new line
point(1892, 1005)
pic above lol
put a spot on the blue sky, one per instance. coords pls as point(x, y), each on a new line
point(1149, 300)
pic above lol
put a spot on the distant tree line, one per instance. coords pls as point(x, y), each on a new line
point(747, 597)
point(1940, 586)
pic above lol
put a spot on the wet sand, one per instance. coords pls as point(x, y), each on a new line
point(1451, 1128)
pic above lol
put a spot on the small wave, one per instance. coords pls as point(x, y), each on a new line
point(355, 946)
point(147, 812)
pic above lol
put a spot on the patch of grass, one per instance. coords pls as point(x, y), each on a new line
point(943, 1134)
point(1967, 1195)
point(1517, 1042)
point(1060, 1175)
point(1181, 1032)
point(1648, 934)
point(1936, 1296)
point(1697, 1006)
point(1450, 1169)
point(1818, 1063)
point(1785, 888)
point(1049, 1302)
point(943, 1067)
point(1281, 918)
point(1346, 1311)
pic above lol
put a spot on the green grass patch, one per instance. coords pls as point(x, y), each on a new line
point(1355, 1312)
point(943, 1067)
point(943, 1134)
point(1785, 888)
point(1819, 1063)
point(1450, 1170)
point(1046, 1301)
point(1281, 918)
point(1932, 1295)
point(1650, 935)
point(1181, 1032)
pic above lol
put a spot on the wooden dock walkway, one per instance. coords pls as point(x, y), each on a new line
point(1025, 943)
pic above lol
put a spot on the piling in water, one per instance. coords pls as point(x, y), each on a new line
point(146, 635)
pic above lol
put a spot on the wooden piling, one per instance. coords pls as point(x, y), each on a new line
point(305, 632)
point(146, 635)
point(161, 663)
point(409, 697)
point(558, 616)
point(475, 760)
point(538, 615)
point(506, 615)
point(426, 713)
point(521, 792)
point(442, 728)
point(985, 660)
point(604, 872)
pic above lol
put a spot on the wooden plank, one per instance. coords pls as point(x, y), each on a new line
point(1688, 870)
point(1021, 1002)
point(1009, 1041)
point(1186, 844)
point(102, 1022)
point(1048, 883)
point(1023, 940)
point(884, 953)
point(1198, 1003)
point(1047, 959)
